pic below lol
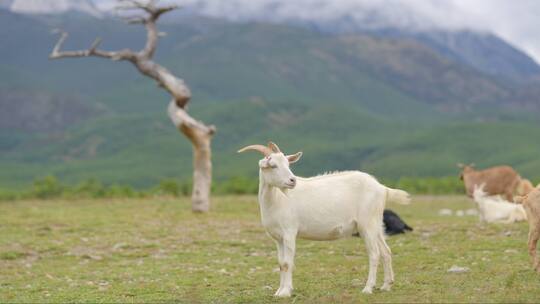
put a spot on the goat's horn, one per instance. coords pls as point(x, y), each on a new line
point(460, 165)
point(273, 147)
point(264, 150)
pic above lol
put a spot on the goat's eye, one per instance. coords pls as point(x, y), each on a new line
point(273, 166)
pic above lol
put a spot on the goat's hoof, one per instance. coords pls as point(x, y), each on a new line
point(283, 292)
point(367, 290)
point(386, 286)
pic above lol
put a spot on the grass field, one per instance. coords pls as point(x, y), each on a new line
point(156, 250)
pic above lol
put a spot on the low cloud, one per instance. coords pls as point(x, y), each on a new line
point(515, 21)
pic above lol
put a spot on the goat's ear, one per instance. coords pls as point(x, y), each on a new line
point(294, 158)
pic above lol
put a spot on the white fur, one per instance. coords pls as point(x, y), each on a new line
point(496, 209)
point(326, 207)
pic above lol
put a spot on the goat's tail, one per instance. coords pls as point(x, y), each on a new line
point(397, 196)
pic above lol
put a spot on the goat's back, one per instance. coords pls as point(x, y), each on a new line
point(342, 195)
point(497, 180)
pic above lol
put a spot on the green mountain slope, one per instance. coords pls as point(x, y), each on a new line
point(436, 151)
point(143, 149)
point(392, 107)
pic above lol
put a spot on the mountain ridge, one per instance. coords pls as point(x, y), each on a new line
point(480, 49)
point(391, 106)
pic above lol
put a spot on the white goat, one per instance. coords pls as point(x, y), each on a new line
point(496, 209)
point(326, 207)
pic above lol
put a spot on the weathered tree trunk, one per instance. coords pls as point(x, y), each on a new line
point(202, 174)
point(200, 136)
point(196, 131)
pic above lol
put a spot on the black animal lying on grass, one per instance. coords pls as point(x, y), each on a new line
point(393, 224)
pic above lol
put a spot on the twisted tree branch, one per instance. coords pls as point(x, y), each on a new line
point(180, 118)
point(141, 59)
point(56, 53)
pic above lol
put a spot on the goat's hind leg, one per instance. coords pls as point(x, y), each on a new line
point(386, 255)
point(370, 238)
point(534, 235)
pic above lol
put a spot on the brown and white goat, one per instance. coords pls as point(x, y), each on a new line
point(500, 180)
point(531, 203)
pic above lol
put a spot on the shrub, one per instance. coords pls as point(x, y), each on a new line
point(46, 188)
point(91, 188)
point(119, 191)
point(49, 187)
point(237, 185)
point(8, 195)
point(186, 187)
point(169, 187)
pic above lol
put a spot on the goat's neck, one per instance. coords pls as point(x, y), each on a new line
point(269, 196)
point(267, 193)
point(481, 203)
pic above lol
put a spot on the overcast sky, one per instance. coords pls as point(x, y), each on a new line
point(516, 21)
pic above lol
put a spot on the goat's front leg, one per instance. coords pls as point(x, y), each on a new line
point(286, 251)
point(281, 258)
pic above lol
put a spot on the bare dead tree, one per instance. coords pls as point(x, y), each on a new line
point(196, 131)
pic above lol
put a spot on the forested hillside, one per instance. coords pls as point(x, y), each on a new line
point(393, 105)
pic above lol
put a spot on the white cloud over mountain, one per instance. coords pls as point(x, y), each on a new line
point(53, 6)
point(515, 21)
